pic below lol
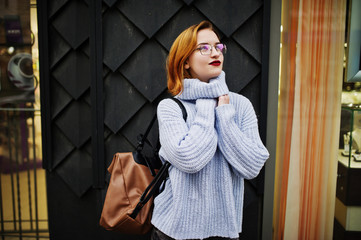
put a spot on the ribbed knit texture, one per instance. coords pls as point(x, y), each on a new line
point(211, 153)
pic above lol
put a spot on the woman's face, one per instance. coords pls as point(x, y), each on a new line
point(205, 67)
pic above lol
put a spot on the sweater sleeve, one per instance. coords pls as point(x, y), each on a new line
point(240, 144)
point(187, 148)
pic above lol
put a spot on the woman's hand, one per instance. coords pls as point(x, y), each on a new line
point(224, 99)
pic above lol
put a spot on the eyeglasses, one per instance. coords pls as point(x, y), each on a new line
point(206, 49)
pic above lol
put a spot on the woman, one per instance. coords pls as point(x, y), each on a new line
point(212, 152)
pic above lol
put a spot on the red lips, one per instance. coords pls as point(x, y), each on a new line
point(215, 63)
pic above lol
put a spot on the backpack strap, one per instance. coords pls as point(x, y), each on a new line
point(153, 187)
point(143, 137)
point(184, 113)
point(180, 104)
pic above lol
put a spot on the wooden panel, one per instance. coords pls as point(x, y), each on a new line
point(237, 12)
point(122, 101)
point(121, 38)
point(73, 73)
point(151, 81)
point(149, 18)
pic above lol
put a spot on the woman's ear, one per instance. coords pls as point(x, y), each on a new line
point(186, 65)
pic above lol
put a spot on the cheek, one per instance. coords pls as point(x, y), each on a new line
point(195, 63)
point(201, 62)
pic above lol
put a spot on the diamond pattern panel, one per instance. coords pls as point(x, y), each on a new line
point(73, 73)
point(55, 6)
point(149, 78)
point(110, 3)
point(106, 70)
point(252, 91)
point(120, 39)
point(122, 101)
point(149, 17)
point(77, 171)
point(250, 35)
point(73, 23)
point(139, 124)
point(59, 46)
point(107, 132)
point(59, 98)
point(239, 66)
point(183, 19)
point(85, 48)
point(87, 147)
point(237, 12)
point(188, 2)
point(86, 97)
point(75, 123)
point(61, 147)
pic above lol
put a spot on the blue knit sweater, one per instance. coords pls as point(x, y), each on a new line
point(211, 153)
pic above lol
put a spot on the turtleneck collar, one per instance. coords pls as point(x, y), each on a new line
point(194, 89)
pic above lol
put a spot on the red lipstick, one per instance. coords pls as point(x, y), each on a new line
point(215, 63)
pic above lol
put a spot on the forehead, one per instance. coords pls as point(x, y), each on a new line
point(207, 36)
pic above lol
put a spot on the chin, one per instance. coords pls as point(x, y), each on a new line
point(216, 74)
point(211, 74)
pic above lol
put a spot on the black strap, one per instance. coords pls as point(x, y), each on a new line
point(180, 104)
point(145, 135)
point(151, 189)
point(184, 114)
point(161, 176)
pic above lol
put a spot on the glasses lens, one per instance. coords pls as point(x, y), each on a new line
point(205, 49)
point(221, 48)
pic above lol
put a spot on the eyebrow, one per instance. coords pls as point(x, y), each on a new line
point(207, 43)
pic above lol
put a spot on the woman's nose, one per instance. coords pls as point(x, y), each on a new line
point(214, 52)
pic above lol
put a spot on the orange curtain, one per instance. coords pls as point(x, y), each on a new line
point(311, 70)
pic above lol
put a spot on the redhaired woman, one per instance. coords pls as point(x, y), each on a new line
point(212, 152)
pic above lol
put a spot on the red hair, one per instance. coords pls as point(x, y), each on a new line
point(181, 49)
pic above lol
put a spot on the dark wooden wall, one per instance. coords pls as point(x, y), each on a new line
point(102, 74)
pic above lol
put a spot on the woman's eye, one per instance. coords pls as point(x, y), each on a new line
point(219, 47)
point(204, 48)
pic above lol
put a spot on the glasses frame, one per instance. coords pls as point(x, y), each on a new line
point(223, 51)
